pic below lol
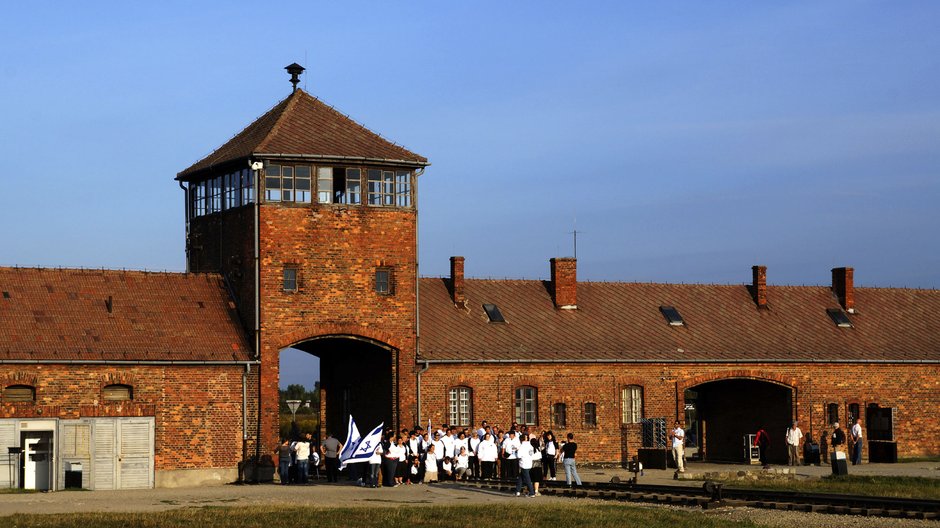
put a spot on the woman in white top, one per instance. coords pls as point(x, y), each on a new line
point(375, 462)
point(487, 452)
point(549, 454)
point(430, 464)
point(473, 444)
point(462, 464)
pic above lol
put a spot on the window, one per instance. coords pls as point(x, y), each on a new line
point(383, 281)
point(290, 279)
point(215, 194)
point(526, 406)
point(197, 193)
point(117, 393)
point(302, 184)
point(832, 413)
point(353, 186)
point(672, 315)
point(854, 412)
point(493, 313)
point(231, 182)
point(272, 183)
point(560, 415)
point(325, 185)
point(461, 406)
point(19, 393)
point(590, 414)
point(839, 317)
point(403, 188)
point(248, 186)
point(632, 402)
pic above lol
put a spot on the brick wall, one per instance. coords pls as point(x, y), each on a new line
point(197, 409)
point(912, 389)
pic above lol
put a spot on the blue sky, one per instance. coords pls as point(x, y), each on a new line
point(686, 141)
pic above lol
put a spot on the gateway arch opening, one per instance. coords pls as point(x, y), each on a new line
point(356, 378)
point(721, 413)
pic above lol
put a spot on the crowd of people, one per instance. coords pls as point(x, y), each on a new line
point(415, 456)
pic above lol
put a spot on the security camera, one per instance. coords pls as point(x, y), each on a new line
point(257, 165)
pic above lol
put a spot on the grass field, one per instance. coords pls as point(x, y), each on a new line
point(521, 514)
point(902, 487)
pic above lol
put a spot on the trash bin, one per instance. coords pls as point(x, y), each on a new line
point(73, 475)
point(839, 463)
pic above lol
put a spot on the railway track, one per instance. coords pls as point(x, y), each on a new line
point(712, 495)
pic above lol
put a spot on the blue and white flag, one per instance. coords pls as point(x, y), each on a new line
point(366, 446)
point(352, 441)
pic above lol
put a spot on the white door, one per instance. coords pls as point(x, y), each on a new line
point(37, 455)
point(123, 453)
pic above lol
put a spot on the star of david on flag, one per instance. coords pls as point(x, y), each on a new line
point(359, 449)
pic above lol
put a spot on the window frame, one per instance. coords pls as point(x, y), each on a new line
point(631, 404)
point(389, 281)
point(112, 388)
point(589, 414)
point(832, 413)
point(285, 280)
point(7, 397)
point(560, 410)
point(460, 406)
point(526, 404)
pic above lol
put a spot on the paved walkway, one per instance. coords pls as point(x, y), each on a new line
point(346, 494)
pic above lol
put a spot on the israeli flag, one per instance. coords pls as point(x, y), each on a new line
point(366, 446)
point(351, 443)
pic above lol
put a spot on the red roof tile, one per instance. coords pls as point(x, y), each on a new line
point(302, 125)
point(52, 314)
point(622, 321)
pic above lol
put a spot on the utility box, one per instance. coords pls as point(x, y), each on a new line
point(751, 451)
point(839, 463)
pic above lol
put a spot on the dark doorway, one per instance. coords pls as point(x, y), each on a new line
point(357, 378)
point(727, 410)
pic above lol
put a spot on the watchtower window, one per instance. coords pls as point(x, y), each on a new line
point(325, 185)
point(302, 184)
point(215, 194)
point(389, 188)
point(290, 279)
point(272, 183)
point(354, 186)
point(383, 281)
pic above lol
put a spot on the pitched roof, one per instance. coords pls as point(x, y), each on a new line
point(51, 314)
point(302, 125)
point(623, 322)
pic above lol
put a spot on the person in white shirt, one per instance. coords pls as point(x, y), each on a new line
point(438, 449)
point(525, 453)
point(473, 444)
point(375, 462)
point(549, 454)
point(858, 443)
point(430, 465)
point(462, 464)
point(678, 446)
point(487, 453)
point(481, 432)
point(448, 440)
point(511, 455)
point(793, 444)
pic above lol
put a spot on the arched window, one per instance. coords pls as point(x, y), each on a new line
point(19, 393)
point(560, 415)
point(461, 406)
point(832, 413)
point(117, 392)
point(632, 404)
point(590, 415)
point(526, 405)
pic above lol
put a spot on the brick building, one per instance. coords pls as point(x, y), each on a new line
point(301, 232)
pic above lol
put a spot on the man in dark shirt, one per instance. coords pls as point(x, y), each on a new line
point(567, 455)
point(837, 440)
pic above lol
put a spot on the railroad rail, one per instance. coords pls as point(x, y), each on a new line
point(715, 495)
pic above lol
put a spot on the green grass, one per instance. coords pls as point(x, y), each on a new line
point(4, 491)
point(929, 458)
point(898, 487)
point(568, 516)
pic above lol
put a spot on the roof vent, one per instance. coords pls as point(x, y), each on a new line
point(672, 315)
point(492, 311)
point(110, 304)
point(294, 70)
point(6, 295)
point(839, 317)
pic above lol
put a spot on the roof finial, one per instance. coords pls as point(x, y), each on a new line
point(294, 70)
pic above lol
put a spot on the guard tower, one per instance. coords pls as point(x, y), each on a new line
point(312, 221)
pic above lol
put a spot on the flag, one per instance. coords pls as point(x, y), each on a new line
point(351, 443)
point(366, 446)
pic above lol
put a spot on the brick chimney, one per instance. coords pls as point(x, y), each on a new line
point(456, 282)
point(565, 283)
point(760, 286)
point(844, 288)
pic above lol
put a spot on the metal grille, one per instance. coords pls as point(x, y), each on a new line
point(654, 432)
